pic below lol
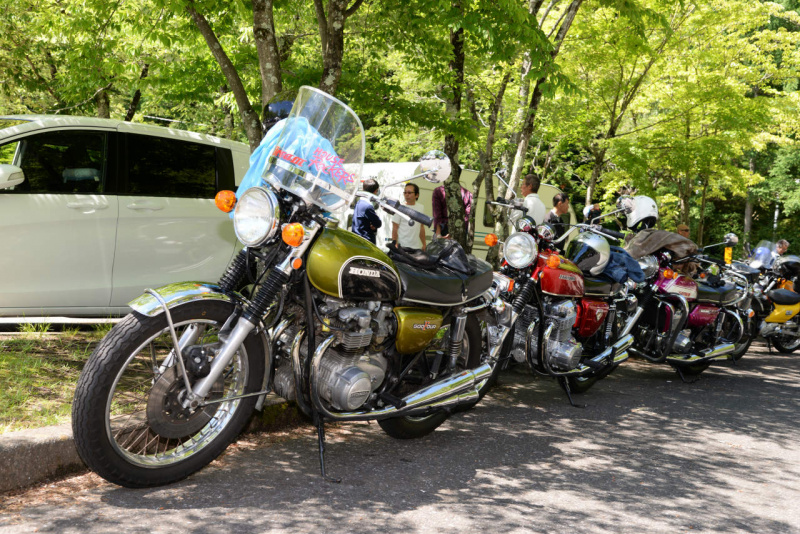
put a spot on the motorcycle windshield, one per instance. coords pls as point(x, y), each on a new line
point(763, 255)
point(320, 152)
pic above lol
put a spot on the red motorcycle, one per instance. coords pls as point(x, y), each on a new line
point(573, 323)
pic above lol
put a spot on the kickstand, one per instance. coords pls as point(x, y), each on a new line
point(321, 440)
point(565, 385)
point(680, 373)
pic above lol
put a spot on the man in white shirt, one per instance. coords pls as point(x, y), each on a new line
point(529, 188)
point(413, 235)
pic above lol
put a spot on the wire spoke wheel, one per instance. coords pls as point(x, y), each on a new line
point(130, 421)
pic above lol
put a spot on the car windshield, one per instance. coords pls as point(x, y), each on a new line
point(763, 255)
point(320, 151)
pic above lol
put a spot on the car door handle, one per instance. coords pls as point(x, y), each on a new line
point(145, 206)
point(86, 206)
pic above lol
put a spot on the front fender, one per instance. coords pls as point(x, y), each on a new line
point(176, 294)
point(183, 292)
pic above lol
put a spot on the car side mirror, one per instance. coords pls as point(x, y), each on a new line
point(10, 175)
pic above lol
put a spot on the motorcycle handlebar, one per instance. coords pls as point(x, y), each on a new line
point(409, 212)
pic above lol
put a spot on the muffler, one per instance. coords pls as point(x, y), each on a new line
point(720, 352)
point(445, 393)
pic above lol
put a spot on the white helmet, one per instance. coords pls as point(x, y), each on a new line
point(641, 211)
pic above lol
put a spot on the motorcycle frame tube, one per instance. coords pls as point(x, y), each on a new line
point(631, 322)
point(739, 320)
point(442, 393)
point(684, 304)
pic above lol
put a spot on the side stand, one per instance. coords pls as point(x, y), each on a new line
point(565, 385)
point(683, 378)
point(321, 441)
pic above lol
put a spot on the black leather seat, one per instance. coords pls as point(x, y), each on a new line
point(598, 287)
point(784, 296)
point(443, 286)
point(713, 294)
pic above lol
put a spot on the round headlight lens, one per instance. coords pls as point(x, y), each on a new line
point(520, 250)
point(256, 217)
point(649, 265)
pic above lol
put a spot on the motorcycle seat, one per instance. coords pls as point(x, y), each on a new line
point(443, 286)
point(716, 294)
point(598, 287)
point(784, 296)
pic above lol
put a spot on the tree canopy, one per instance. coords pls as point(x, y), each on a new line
point(693, 102)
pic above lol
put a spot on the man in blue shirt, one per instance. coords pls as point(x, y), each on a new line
point(365, 220)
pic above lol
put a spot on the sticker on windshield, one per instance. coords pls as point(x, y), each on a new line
point(331, 164)
point(281, 153)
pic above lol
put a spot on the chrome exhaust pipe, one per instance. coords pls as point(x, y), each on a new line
point(451, 391)
point(720, 352)
point(618, 352)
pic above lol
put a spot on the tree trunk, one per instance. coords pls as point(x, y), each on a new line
point(699, 237)
point(597, 169)
point(252, 126)
point(536, 97)
point(453, 198)
point(331, 31)
point(137, 96)
point(268, 52)
point(748, 208)
point(103, 104)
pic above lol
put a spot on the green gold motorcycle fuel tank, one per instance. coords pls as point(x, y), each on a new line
point(416, 327)
point(344, 265)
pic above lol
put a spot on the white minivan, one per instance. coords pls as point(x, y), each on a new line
point(93, 211)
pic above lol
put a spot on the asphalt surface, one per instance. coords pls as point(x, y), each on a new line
point(649, 453)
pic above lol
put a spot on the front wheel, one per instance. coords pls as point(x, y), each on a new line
point(128, 421)
point(786, 344)
point(410, 427)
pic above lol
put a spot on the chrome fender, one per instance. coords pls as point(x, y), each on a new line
point(184, 292)
point(175, 295)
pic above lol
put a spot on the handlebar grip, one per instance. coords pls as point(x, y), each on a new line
point(614, 234)
point(411, 213)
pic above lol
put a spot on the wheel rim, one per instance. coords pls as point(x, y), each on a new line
point(789, 342)
point(130, 407)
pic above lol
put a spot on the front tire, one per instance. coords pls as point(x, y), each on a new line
point(786, 344)
point(128, 424)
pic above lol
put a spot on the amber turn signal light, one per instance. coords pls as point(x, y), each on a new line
point(553, 261)
point(669, 273)
point(490, 239)
point(225, 200)
point(292, 234)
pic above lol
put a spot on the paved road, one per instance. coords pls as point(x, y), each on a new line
point(648, 454)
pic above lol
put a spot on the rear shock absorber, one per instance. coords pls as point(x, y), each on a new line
point(235, 272)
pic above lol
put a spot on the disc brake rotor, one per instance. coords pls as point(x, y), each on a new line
point(166, 415)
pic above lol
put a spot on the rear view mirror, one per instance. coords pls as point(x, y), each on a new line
point(10, 175)
point(435, 165)
point(731, 239)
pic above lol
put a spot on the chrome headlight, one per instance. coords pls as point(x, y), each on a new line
point(649, 265)
point(256, 217)
point(520, 250)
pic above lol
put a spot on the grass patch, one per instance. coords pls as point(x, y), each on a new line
point(38, 373)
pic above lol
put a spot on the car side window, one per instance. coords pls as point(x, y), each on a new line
point(66, 161)
point(162, 167)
